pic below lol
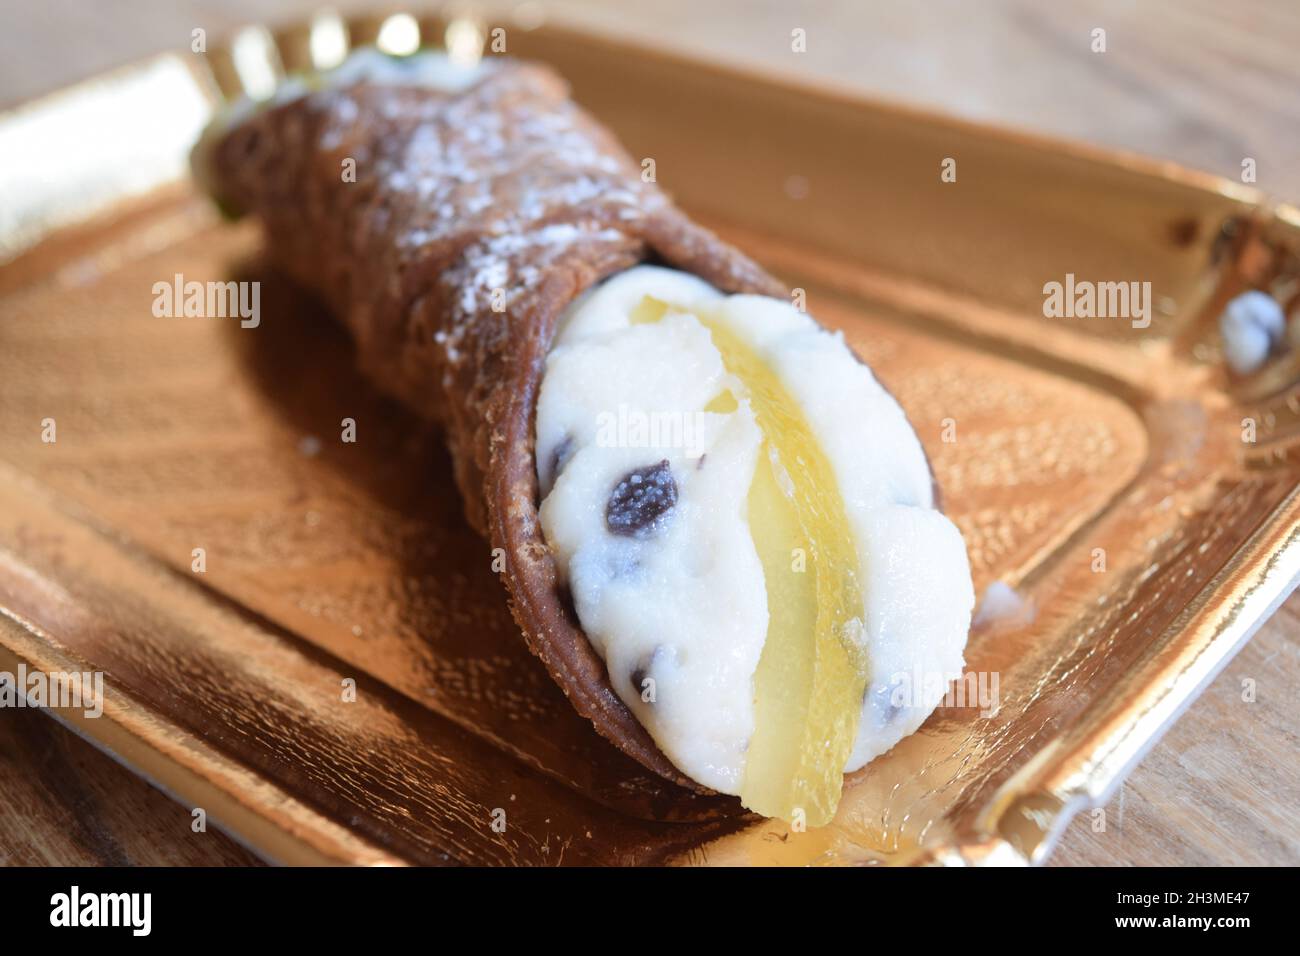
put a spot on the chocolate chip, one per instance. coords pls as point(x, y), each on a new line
point(883, 704)
point(639, 676)
point(560, 457)
point(639, 503)
point(644, 670)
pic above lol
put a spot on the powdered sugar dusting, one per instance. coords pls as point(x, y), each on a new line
point(463, 221)
point(524, 185)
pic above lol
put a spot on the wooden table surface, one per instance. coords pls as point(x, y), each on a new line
point(1200, 82)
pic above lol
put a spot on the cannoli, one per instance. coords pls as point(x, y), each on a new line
point(719, 530)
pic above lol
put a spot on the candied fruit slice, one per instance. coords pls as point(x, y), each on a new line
point(812, 672)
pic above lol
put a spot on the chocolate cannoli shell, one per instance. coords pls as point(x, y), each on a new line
point(449, 232)
point(468, 224)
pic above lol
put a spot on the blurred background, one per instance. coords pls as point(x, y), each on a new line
point(1202, 82)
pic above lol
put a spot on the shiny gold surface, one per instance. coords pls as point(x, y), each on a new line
point(328, 561)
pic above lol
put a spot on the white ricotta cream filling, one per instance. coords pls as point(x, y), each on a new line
point(677, 607)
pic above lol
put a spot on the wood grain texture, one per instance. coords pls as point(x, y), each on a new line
point(1191, 81)
point(64, 803)
point(1222, 787)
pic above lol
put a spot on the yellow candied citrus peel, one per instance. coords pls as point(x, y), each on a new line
point(812, 674)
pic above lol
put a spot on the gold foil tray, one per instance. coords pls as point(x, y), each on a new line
point(1098, 469)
